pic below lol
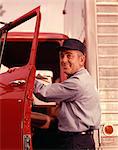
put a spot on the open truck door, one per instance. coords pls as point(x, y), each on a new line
point(16, 90)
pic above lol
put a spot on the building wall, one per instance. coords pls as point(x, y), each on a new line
point(53, 19)
point(51, 10)
point(74, 19)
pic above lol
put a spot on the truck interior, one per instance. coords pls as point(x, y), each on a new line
point(17, 54)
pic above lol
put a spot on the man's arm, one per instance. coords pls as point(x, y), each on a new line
point(37, 101)
point(58, 91)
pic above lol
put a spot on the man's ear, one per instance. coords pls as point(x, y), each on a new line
point(82, 60)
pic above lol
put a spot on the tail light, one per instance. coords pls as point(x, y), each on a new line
point(108, 129)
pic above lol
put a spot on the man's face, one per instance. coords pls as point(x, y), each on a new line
point(71, 61)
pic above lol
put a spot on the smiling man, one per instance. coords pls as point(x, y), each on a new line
point(79, 113)
point(71, 61)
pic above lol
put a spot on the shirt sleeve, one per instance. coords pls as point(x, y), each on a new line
point(57, 92)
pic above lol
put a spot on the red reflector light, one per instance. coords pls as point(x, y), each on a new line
point(108, 129)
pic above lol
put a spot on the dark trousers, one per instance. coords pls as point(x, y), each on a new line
point(75, 141)
point(52, 139)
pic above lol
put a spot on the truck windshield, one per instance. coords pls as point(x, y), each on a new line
point(12, 49)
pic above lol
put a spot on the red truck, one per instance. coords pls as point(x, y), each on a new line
point(28, 52)
point(20, 50)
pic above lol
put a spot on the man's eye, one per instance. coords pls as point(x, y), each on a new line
point(69, 56)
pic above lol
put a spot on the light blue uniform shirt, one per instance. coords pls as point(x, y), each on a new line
point(78, 99)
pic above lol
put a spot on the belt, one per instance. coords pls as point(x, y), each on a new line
point(88, 132)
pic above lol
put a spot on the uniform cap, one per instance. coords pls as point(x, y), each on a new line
point(72, 44)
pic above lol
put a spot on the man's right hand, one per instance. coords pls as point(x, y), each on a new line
point(43, 78)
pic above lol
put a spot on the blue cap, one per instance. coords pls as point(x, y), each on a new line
point(72, 44)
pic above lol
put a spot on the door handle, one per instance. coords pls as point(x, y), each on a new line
point(17, 82)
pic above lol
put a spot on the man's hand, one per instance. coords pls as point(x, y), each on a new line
point(43, 78)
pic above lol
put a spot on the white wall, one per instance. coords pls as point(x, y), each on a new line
point(51, 10)
point(53, 20)
point(74, 19)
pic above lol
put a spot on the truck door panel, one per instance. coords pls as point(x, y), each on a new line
point(16, 88)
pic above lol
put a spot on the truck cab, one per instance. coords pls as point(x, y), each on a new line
point(27, 52)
